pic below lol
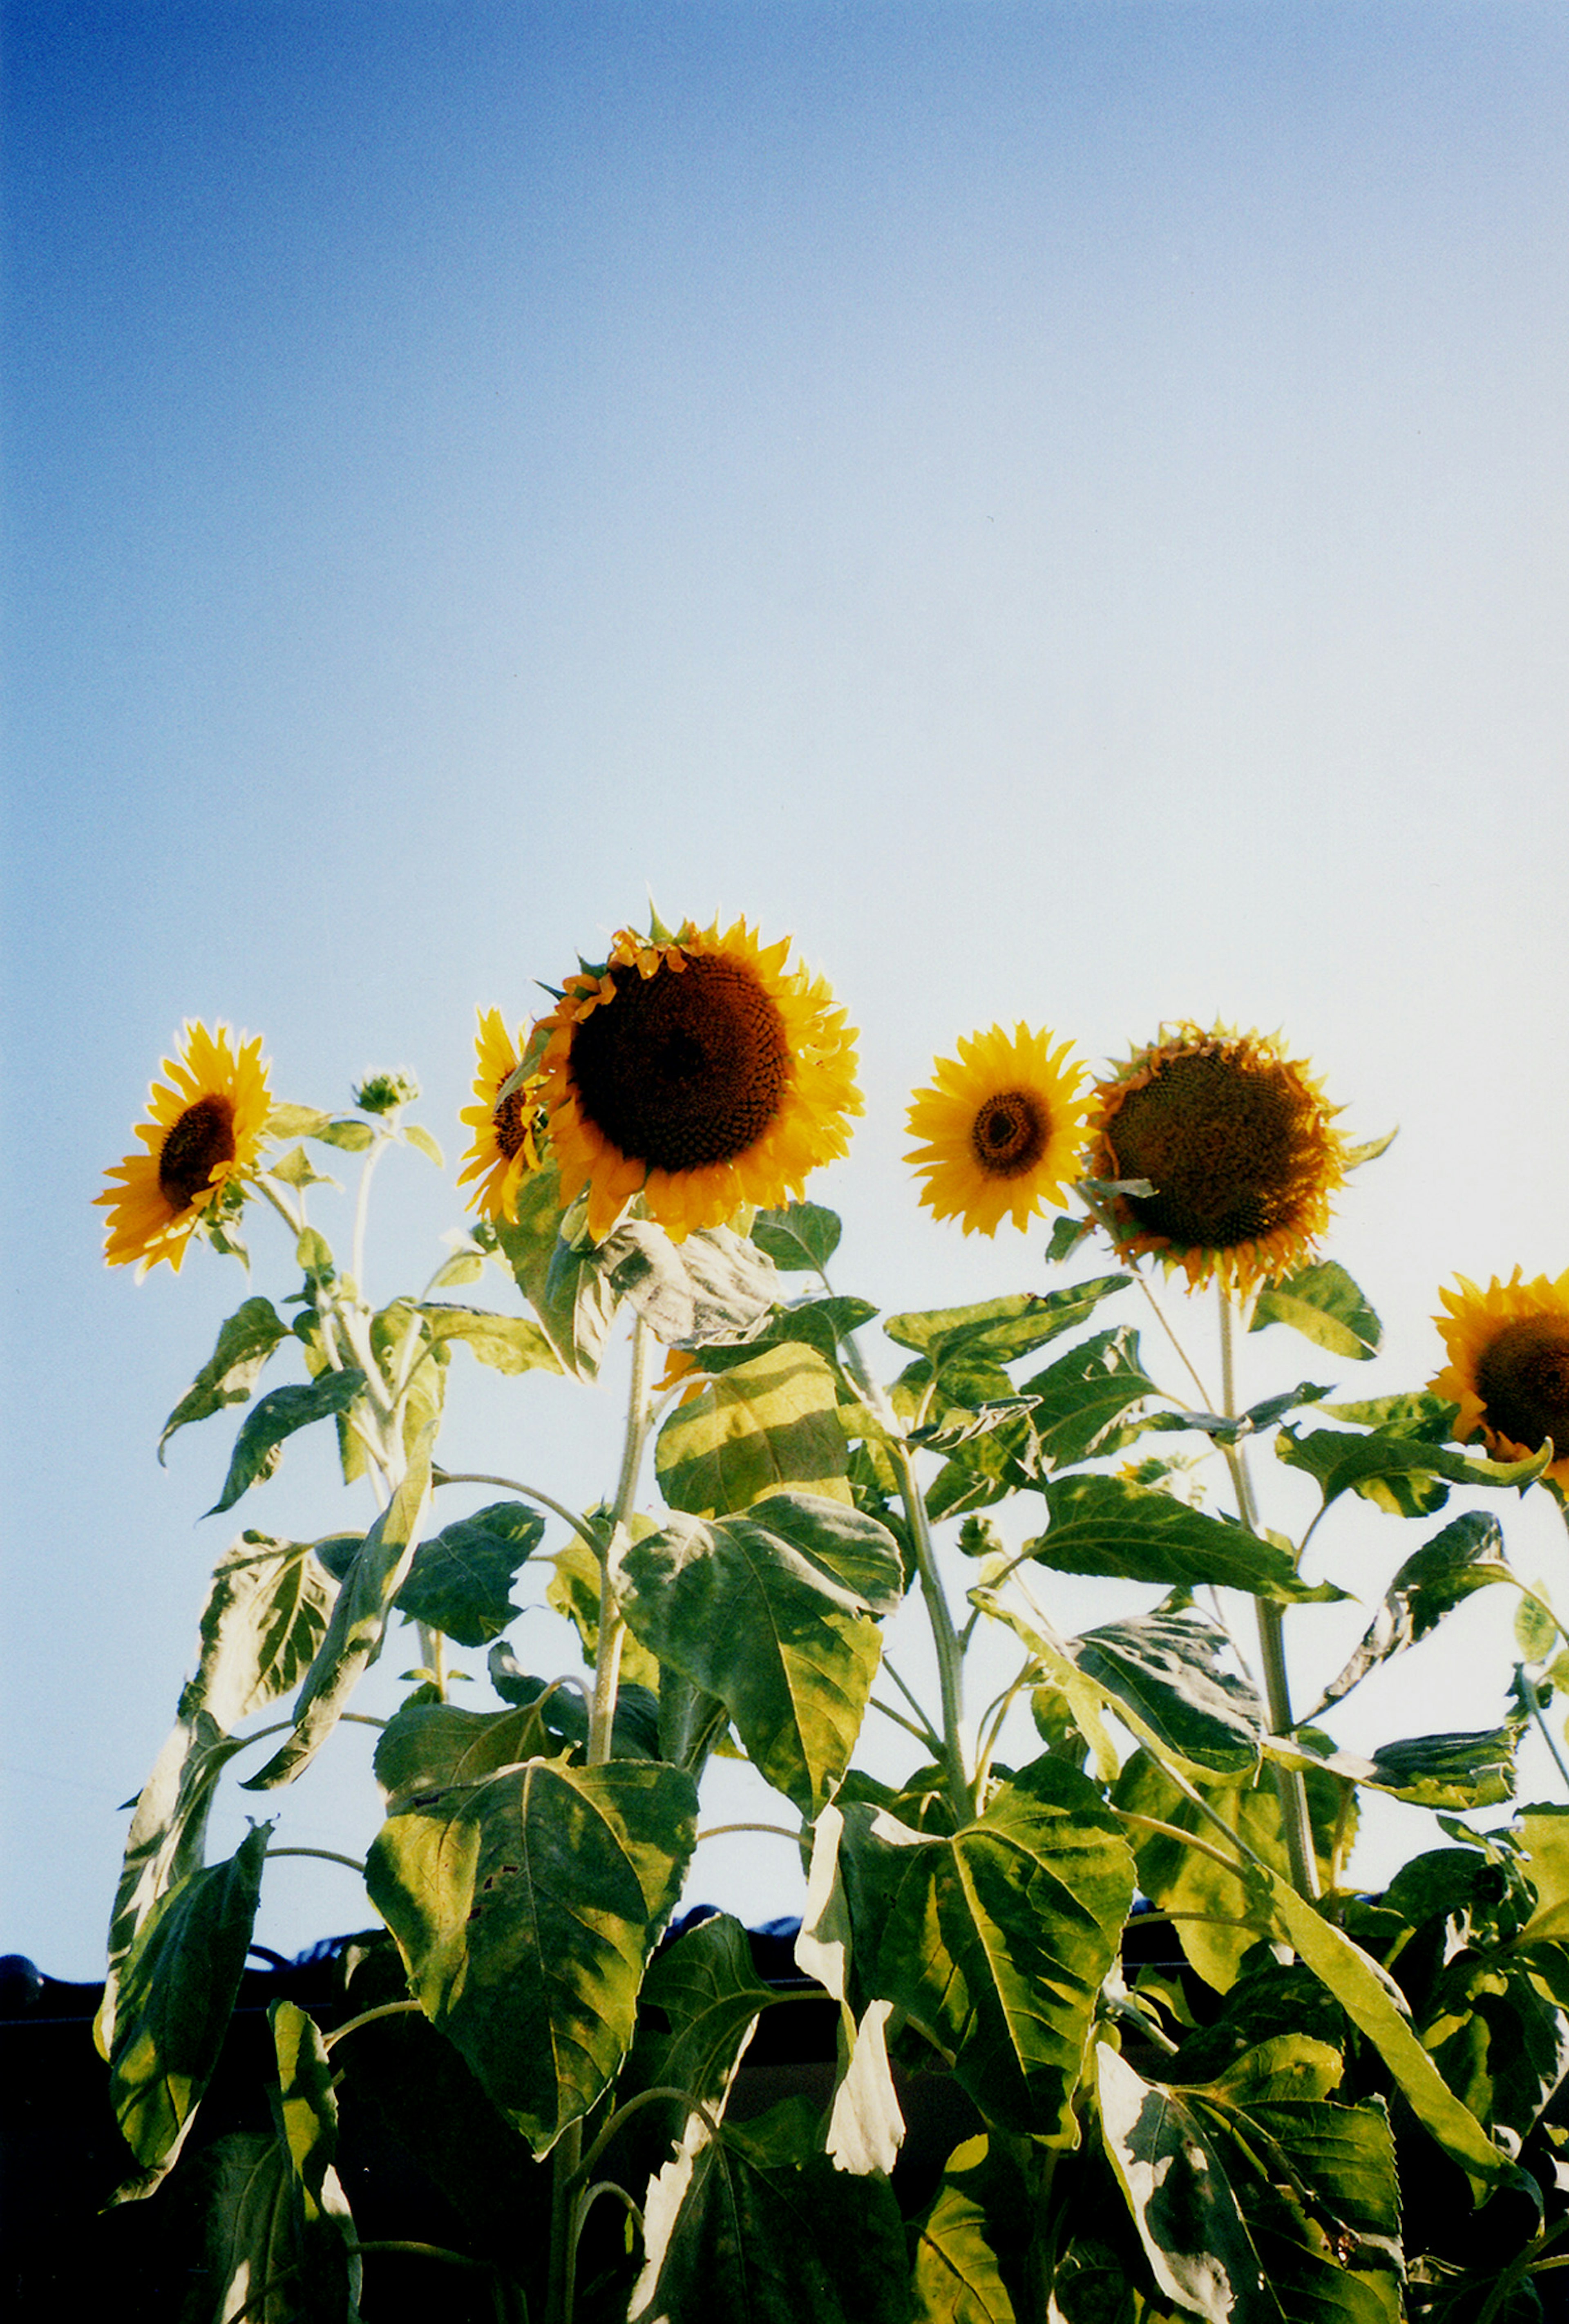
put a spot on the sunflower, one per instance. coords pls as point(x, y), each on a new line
point(1236, 1140)
point(1508, 1366)
point(204, 1136)
point(506, 1130)
point(1003, 1123)
point(698, 1071)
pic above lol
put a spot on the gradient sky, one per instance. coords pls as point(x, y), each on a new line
point(1062, 507)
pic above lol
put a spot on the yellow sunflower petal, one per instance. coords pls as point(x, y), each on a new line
point(205, 1134)
point(506, 1143)
point(1237, 1140)
point(699, 1073)
point(1508, 1366)
point(1002, 1125)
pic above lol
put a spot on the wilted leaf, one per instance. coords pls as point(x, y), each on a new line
point(1467, 1556)
point(259, 1446)
point(714, 1285)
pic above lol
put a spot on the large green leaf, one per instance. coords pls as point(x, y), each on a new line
point(1182, 2203)
point(1085, 1405)
point(229, 1374)
point(1466, 1555)
point(459, 1579)
point(305, 2111)
point(772, 1613)
point(996, 1937)
point(1325, 1306)
point(801, 1237)
point(977, 2221)
point(998, 1331)
point(176, 1992)
point(1500, 2043)
point(714, 1285)
point(253, 2257)
point(1108, 1525)
point(358, 1626)
point(567, 1288)
point(1375, 2004)
point(1219, 1915)
point(507, 1343)
point(1161, 1672)
point(735, 2234)
point(768, 1425)
point(525, 1906)
point(1385, 1467)
point(259, 1446)
point(704, 1996)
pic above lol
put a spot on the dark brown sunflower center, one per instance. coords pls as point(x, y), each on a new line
point(1234, 1147)
point(512, 1120)
point(202, 1137)
point(1008, 1134)
point(684, 1068)
point(1522, 1377)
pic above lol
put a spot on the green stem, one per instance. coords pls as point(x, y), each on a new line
point(530, 1493)
point(1289, 1787)
point(327, 1856)
point(1534, 1704)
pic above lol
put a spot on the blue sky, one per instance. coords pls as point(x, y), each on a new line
point(1061, 507)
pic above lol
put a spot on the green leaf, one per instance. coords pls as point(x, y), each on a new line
point(772, 1612)
point(996, 1937)
point(1544, 1830)
point(1065, 1236)
point(573, 1589)
point(507, 1343)
point(705, 1990)
point(252, 2255)
point(800, 1236)
point(525, 1906)
point(1449, 1771)
point(305, 2111)
point(177, 1989)
point(978, 2218)
point(259, 1446)
point(763, 1427)
point(1325, 1306)
point(820, 1323)
point(1162, 1671)
point(737, 2236)
point(1382, 1468)
point(1466, 1555)
point(459, 1581)
point(999, 1331)
point(1500, 2044)
point(358, 1625)
point(714, 1285)
point(297, 1169)
point(1106, 1524)
point(464, 1266)
point(569, 1290)
point(1219, 1916)
point(230, 1373)
point(1412, 1412)
point(1181, 2202)
point(1084, 1400)
point(1375, 2004)
point(419, 1139)
point(350, 1136)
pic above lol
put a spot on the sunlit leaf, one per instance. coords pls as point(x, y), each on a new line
point(507, 1343)
point(1385, 1467)
point(1107, 1525)
point(772, 1612)
point(1324, 1304)
point(525, 1906)
point(768, 1425)
point(1162, 1673)
point(999, 1331)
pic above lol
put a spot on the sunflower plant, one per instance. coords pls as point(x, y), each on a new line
point(1114, 2040)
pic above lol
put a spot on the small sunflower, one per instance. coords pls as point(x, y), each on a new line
point(1237, 1140)
point(1508, 1366)
point(1003, 1123)
point(204, 1135)
point(506, 1130)
point(698, 1071)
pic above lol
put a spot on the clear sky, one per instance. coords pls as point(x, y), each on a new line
point(1060, 506)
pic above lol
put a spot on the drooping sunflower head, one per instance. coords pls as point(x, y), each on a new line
point(507, 1119)
point(1237, 1142)
point(1002, 1124)
point(1508, 1366)
point(203, 1136)
point(698, 1071)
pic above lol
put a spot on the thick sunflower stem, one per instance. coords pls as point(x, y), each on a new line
point(1289, 1787)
